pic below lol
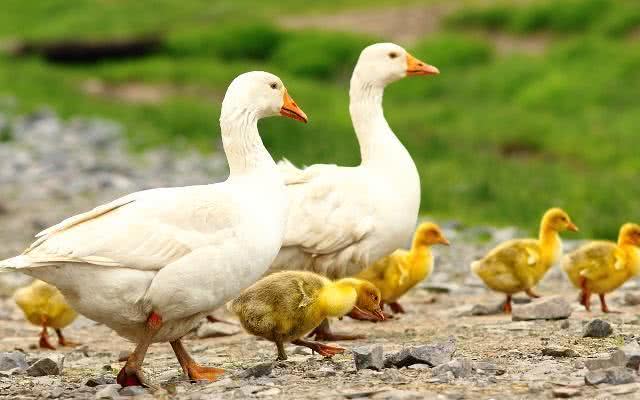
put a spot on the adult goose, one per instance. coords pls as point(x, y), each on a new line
point(342, 219)
point(152, 264)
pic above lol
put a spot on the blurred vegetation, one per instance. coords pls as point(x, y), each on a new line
point(498, 137)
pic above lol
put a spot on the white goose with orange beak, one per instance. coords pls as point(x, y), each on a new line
point(152, 264)
point(342, 219)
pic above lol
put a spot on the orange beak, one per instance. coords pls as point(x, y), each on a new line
point(443, 240)
point(290, 109)
point(572, 227)
point(416, 67)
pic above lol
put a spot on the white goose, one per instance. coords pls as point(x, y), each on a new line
point(344, 218)
point(151, 264)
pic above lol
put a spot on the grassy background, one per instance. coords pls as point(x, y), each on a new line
point(498, 137)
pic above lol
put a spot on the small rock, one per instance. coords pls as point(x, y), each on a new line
point(257, 370)
point(632, 298)
point(15, 359)
point(269, 392)
point(565, 324)
point(399, 395)
point(559, 351)
point(50, 365)
point(368, 357)
point(392, 375)
point(486, 309)
point(460, 368)
point(616, 359)
point(431, 354)
point(597, 328)
point(108, 391)
point(321, 373)
point(631, 352)
point(216, 329)
point(552, 307)
point(611, 375)
point(56, 392)
point(100, 380)
point(133, 391)
point(565, 392)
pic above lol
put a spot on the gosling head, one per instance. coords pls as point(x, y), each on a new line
point(260, 94)
point(630, 234)
point(368, 300)
point(429, 234)
point(558, 220)
point(383, 63)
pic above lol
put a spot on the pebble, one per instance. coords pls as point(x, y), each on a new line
point(559, 351)
point(368, 357)
point(12, 360)
point(322, 372)
point(632, 298)
point(611, 375)
point(100, 380)
point(430, 354)
point(50, 365)
point(631, 353)
point(257, 370)
point(617, 358)
point(132, 391)
point(108, 391)
point(217, 329)
point(565, 392)
point(551, 307)
point(460, 368)
point(597, 328)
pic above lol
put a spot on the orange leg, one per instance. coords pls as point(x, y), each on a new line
point(64, 342)
point(131, 373)
point(507, 305)
point(396, 308)
point(44, 338)
point(604, 306)
point(322, 349)
point(211, 318)
point(323, 332)
point(532, 294)
point(191, 368)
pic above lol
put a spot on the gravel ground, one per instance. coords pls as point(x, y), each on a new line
point(52, 168)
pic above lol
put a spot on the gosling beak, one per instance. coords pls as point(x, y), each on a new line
point(444, 241)
point(379, 314)
point(572, 227)
point(416, 67)
point(375, 315)
point(290, 109)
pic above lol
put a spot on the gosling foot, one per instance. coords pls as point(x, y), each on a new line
point(322, 349)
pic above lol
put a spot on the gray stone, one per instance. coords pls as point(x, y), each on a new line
point(552, 307)
point(487, 309)
point(50, 365)
point(15, 359)
point(430, 354)
point(611, 375)
point(460, 368)
point(108, 391)
point(257, 370)
point(392, 375)
point(100, 380)
point(631, 352)
point(216, 329)
point(368, 357)
point(559, 351)
point(56, 392)
point(616, 359)
point(597, 328)
point(399, 395)
point(322, 372)
point(488, 367)
point(565, 392)
point(632, 298)
point(133, 391)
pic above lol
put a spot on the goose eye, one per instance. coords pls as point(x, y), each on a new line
point(274, 85)
point(393, 54)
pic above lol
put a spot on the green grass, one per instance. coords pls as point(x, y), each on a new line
point(497, 139)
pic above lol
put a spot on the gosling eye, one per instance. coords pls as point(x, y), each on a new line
point(393, 54)
point(273, 85)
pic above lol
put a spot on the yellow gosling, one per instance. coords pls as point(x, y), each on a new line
point(284, 306)
point(43, 305)
point(518, 265)
point(602, 266)
point(403, 269)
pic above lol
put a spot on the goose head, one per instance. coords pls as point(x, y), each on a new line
point(428, 234)
point(630, 234)
point(558, 220)
point(260, 94)
point(383, 63)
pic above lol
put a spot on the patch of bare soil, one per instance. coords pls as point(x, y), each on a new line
point(401, 24)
